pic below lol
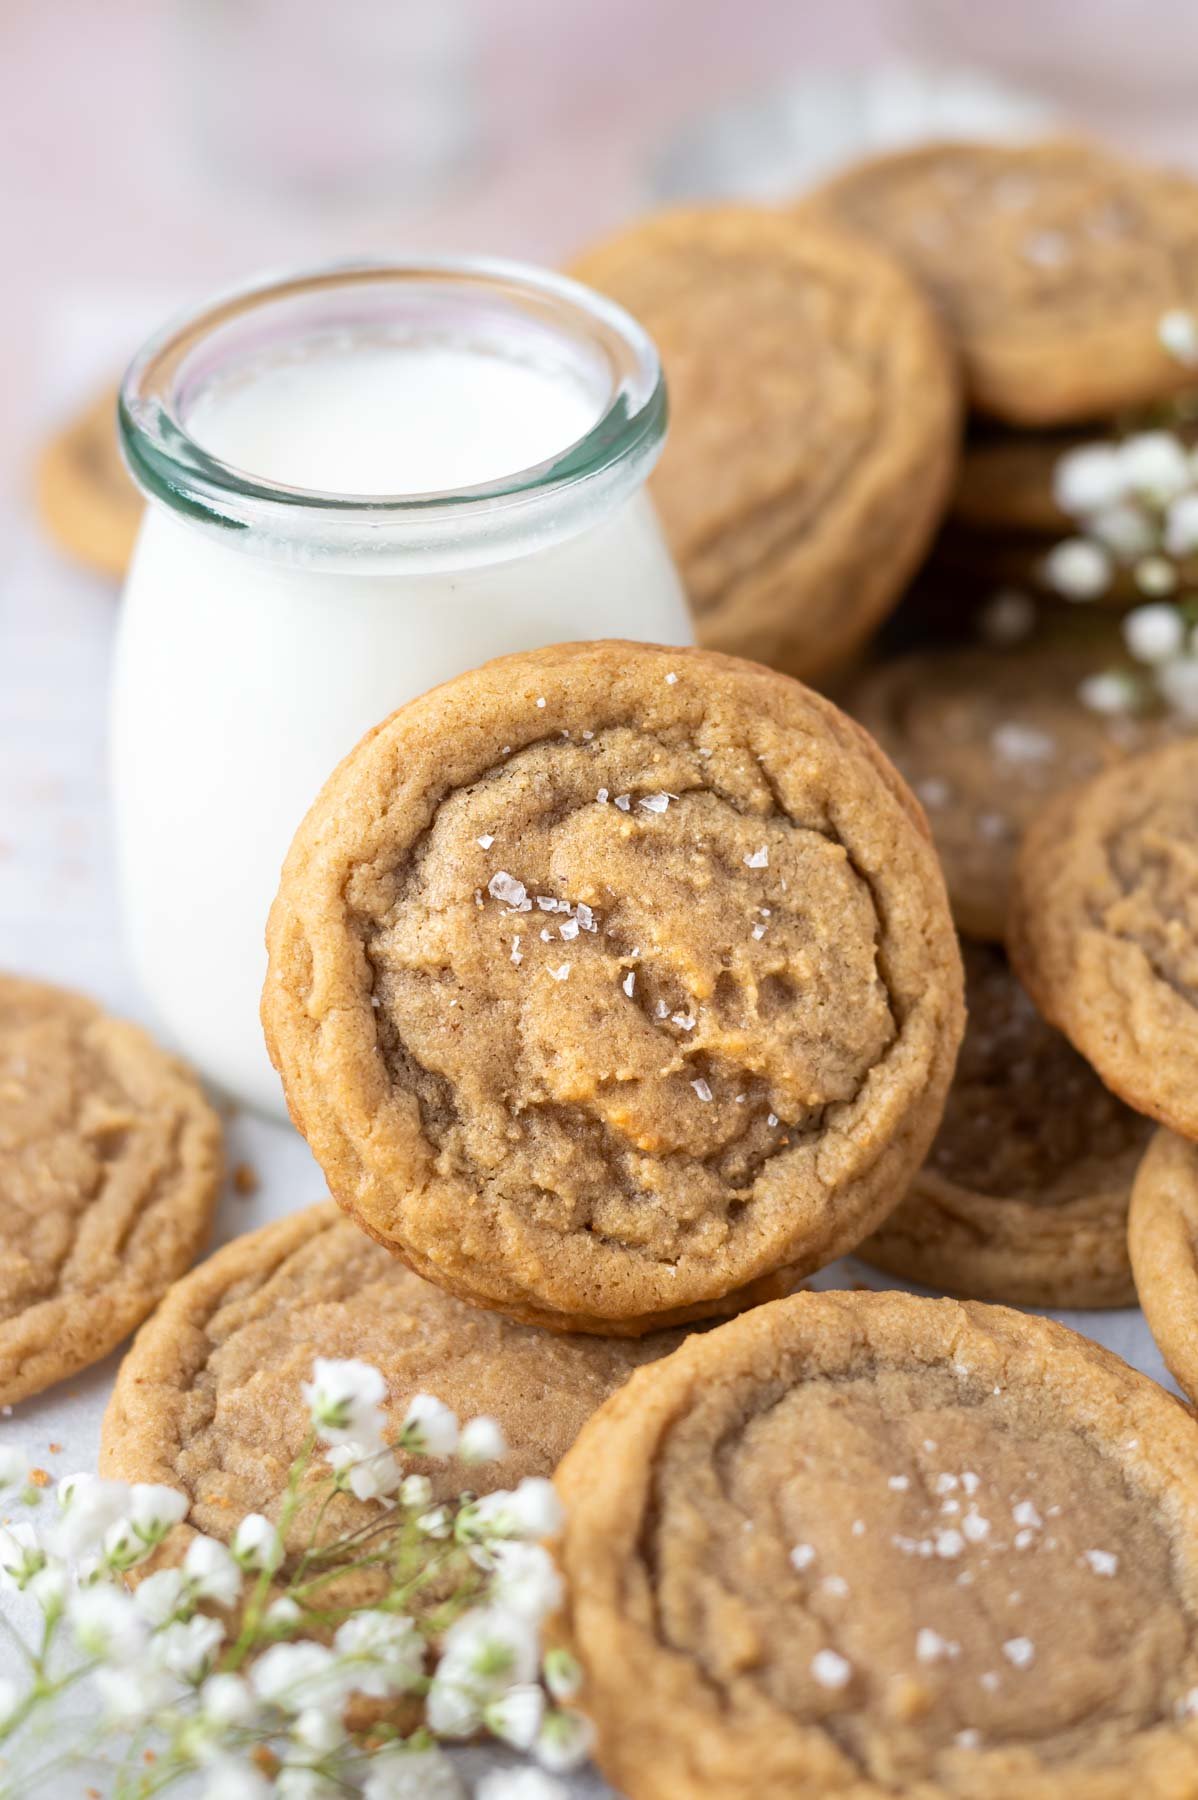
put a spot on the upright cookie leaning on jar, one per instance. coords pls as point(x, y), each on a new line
point(815, 419)
point(608, 979)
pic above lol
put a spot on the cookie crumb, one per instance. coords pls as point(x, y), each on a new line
point(244, 1179)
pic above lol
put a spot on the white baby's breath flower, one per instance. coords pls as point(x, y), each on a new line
point(88, 1509)
point(1153, 633)
point(227, 1700)
point(526, 1580)
point(415, 1492)
point(188, 1648)
point(1178, 682)
point(489, 1650)
point(403, 1774)
point(564, 1742)
point(106, 1624)
point(153, 1509)
point(49, 1588)
point(562, 1673)
point(136, 1693)
point(1078, 569)
point(295, 1676)
point(1155, 576)
point(1156, 465)
point(1178, 332)
point(319, 1729)
point(531, 1510)
point(211, 1573)
point(161, 1595)
point(482, 1441)
point(1088, 478)
point(519, 1784)
point(283, 1614)
point(256, 1544)
point(386, 1651)
point(21, 1555)
point(436, 1524)
point(516, 1716)
point(429, 1427)
point(1110, 692)
point(344, 1399)
point(1181, 525)
point(299, 1781)
point(1125, 530)
point(229, 1778)
point(368, 1474)
point(14, 1465)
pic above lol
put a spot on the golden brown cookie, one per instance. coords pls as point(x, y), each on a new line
point(1104, 927)
point(1024, 1197)
point(208, 1400)
point(1163, 1239)
point(609, 979)
point(986, 737)
point(814, 424)
point(1051, 263)
point(868, 1545)
point(1005, 482)
point(110, 1162)
point(85, 496)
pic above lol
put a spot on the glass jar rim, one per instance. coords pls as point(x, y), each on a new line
point(621, 445)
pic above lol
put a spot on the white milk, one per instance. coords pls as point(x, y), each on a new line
point(250, 661)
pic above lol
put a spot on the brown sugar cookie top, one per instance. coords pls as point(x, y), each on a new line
point(1104, 927)
point(986, 737)
point(608, 979)
point(814, 423)
point(208, 1400)
point(1053, 265)
point(1024, 1196)
point(85, 495)
point(1163, 1239)
point(110, 1161)
point(870, 1545)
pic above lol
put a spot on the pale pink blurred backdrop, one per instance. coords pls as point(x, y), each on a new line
point(135, 161)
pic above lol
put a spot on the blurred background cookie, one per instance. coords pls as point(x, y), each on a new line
point(814, 423)
point(1052, 264)
point(85, 497)
point(987, 735)
point(1024, 1196)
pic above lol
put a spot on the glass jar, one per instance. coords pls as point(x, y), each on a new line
point(361, 482)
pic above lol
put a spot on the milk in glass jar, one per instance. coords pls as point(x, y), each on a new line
point(361, 482)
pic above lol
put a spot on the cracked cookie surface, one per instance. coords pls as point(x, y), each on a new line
point(814, 422)
point(208, 1400)
point(608, 980)
point(1104, 927)
point(1024, 1197)
point(865, 1544)
point(110, 1163)
point(1052, 265)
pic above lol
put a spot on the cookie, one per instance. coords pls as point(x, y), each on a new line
point(1005, 483)
point(1052, 265)
point(208, 1400)
point(1104, 927)
point(609, 979)
point(868, 1545)
point(1024, 1197)
point(986, 737)
point(1163, 1240)
point(814, 424)
point(85, 497)
point(110, 1164)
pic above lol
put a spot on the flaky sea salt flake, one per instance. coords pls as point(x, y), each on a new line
point(758, 859)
